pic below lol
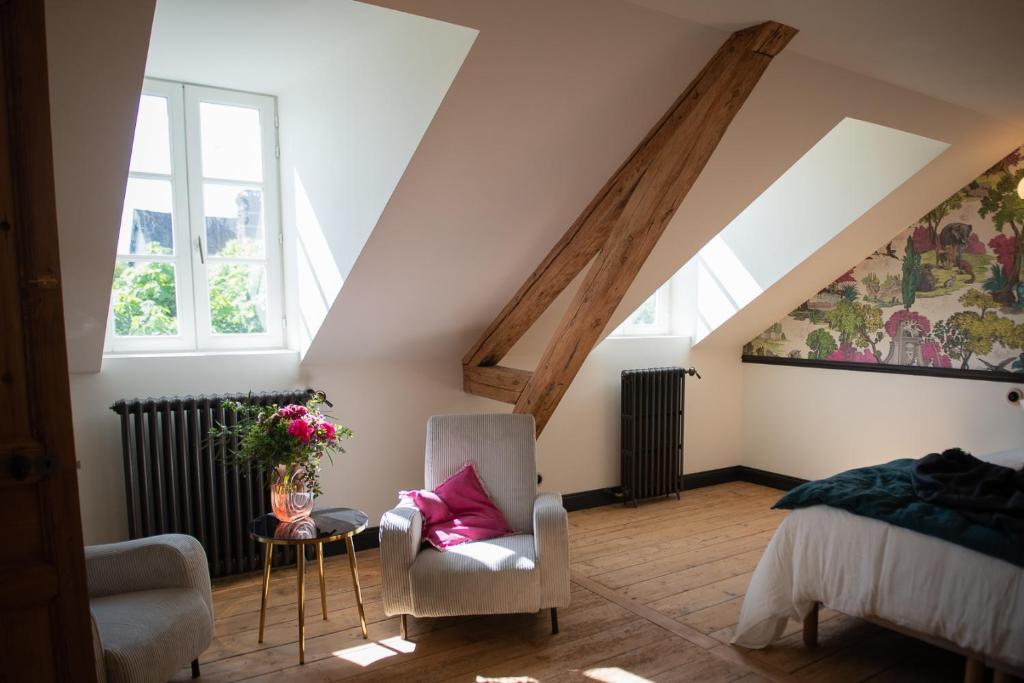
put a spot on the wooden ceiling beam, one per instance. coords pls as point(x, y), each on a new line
point(496, 381)
point(629, 216)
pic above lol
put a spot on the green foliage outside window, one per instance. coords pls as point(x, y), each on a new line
point(145, 300)
point(237, 304)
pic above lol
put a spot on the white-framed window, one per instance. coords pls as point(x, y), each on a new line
point(199, 249)
point(652, 318)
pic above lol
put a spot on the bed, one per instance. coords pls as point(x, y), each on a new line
point(941, 592)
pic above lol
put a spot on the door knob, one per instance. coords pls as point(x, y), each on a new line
point(21, 466)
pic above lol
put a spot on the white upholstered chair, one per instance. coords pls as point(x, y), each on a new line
point(152, 609)
point(525, 572)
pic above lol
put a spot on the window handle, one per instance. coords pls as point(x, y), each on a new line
point(202, 254)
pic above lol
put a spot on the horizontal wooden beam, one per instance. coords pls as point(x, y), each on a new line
point(496, 381)
point(674, 156)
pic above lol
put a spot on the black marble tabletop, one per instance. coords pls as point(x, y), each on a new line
point(323, 526)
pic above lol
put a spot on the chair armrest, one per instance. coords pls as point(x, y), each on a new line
point(99, 656)
point(166, 561)
point(551, 538)
point(401, 530)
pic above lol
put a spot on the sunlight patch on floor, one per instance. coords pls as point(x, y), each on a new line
point(365, 655)
point(613, 674)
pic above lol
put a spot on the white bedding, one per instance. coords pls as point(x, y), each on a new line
point(863, 567)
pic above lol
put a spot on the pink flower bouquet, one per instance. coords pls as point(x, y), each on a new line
point(286, 442)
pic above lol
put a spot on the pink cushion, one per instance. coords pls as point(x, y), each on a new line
point(459, 511)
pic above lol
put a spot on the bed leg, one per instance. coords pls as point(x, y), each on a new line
point(974, 671)
point(811, 626)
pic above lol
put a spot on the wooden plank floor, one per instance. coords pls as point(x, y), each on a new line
point(656, 592)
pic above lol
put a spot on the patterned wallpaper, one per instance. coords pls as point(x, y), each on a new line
point(946, 292)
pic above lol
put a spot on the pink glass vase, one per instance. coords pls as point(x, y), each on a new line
point(289, 498)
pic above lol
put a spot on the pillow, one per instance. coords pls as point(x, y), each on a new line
point(459, 511)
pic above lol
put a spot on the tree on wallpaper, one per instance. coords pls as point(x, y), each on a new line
point(947, 292)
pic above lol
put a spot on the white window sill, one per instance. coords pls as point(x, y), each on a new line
point(665, 335)
point(118, 355)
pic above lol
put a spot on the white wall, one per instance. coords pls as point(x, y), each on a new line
point(346, 139)
point(812, 423)
point(388, 404)
point(579, 448)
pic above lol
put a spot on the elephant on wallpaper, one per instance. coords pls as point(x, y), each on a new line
point(953, 241)
point(956, 235)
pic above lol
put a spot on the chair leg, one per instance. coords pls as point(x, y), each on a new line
point(405, 628)
point(195, 668)
point(554, 621)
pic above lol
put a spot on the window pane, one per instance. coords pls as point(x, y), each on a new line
point(647, 314)
point(234, 221)
point(238, 298)
point(230, 142)
point(146, 226)
point(151, 151)
point(145, 300)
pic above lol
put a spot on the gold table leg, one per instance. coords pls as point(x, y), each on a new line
point(323, 589)
point(355, 582)
point(267, 556)
point(300, 574)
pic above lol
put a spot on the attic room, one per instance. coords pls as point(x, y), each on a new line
point(434, 340)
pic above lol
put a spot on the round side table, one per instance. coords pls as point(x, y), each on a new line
point(323, 526)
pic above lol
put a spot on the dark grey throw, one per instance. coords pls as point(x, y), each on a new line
point(986, 494)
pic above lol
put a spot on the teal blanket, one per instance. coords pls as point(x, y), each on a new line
point(886, 493)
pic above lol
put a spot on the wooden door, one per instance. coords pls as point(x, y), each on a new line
point(45, 633)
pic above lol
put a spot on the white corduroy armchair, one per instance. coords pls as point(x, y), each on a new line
point(152, 608)
point(525, 572)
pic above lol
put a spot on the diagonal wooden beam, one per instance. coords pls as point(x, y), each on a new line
point(637, 205)
point(571, 253)
point(496, 381)
point(588, 233)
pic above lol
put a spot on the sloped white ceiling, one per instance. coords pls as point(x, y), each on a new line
point(965, 53)
point(97, 54)
point(549, 102)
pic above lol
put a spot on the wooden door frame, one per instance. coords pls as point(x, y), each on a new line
point(51, 464)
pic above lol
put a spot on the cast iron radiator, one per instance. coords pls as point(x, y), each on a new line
point(652, 432)
point(177, 479)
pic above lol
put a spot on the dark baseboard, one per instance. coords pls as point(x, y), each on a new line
point(694, 480)
point(723, 475)
point(583, 500)
point(783, 482)
point(591, 499)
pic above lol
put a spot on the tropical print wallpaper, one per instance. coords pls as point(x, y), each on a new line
point(947, 292)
